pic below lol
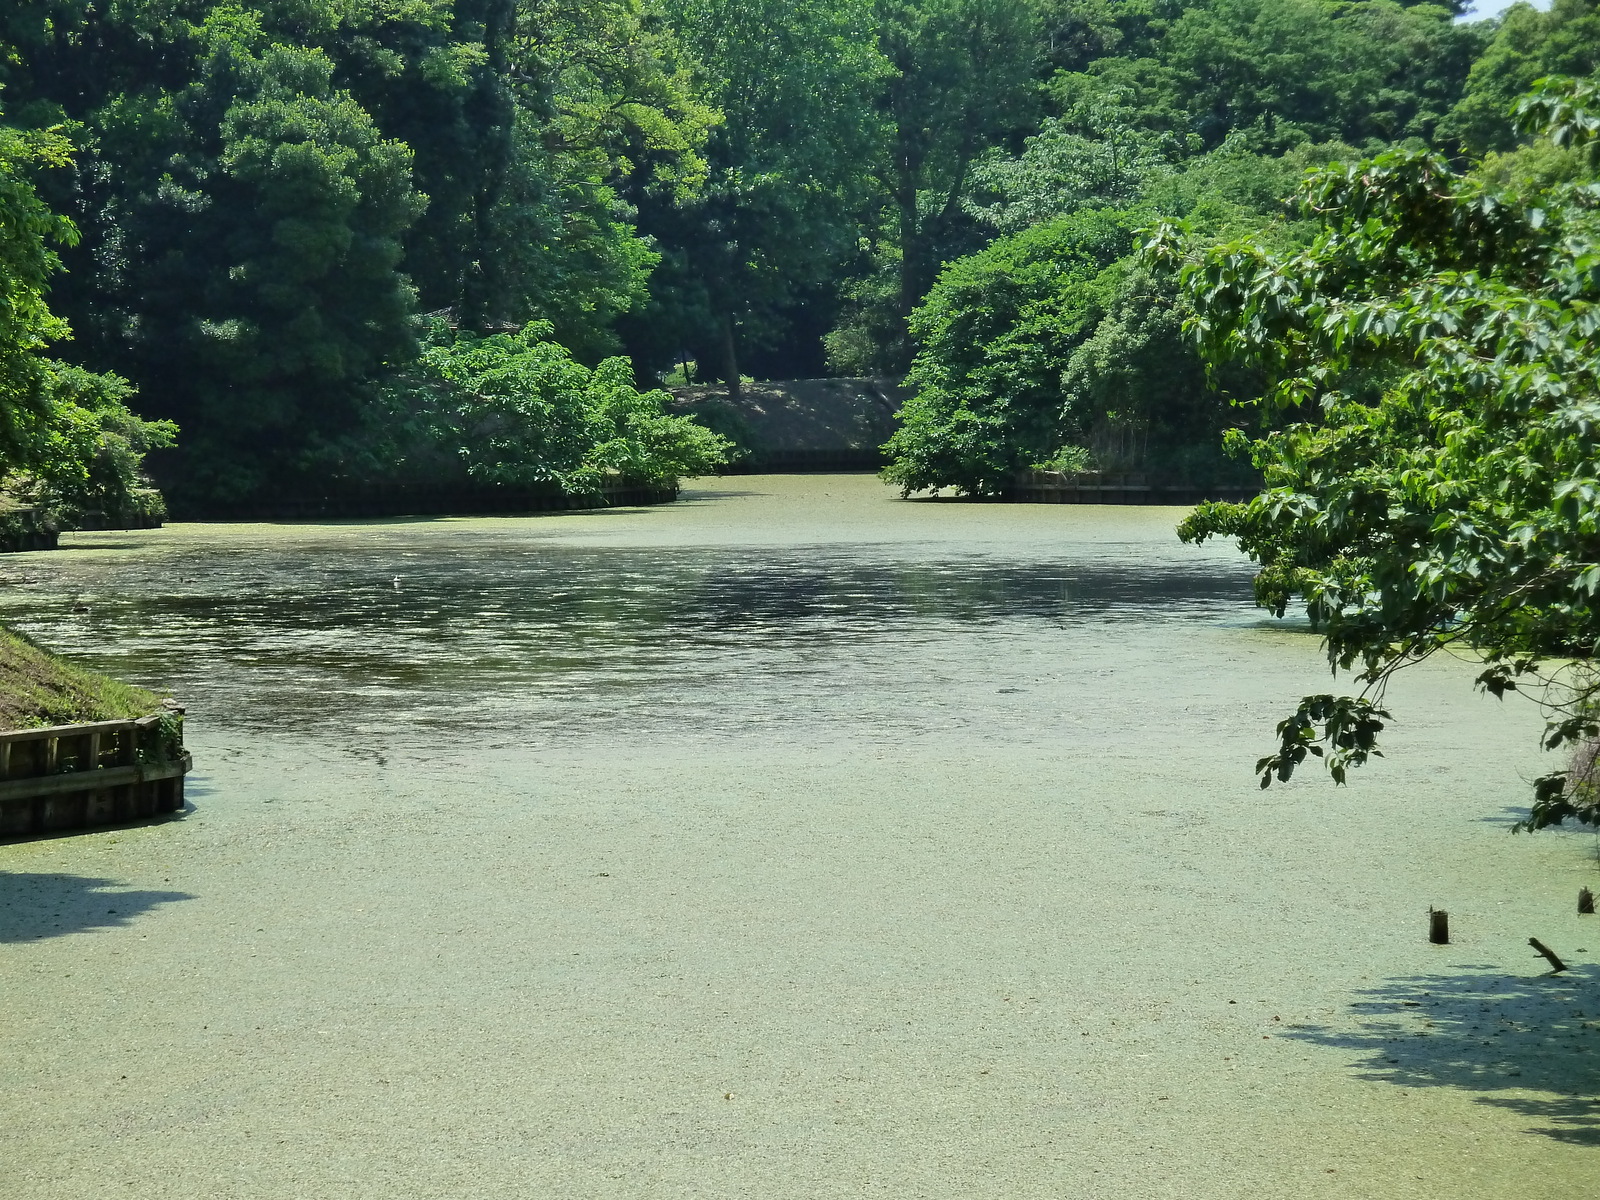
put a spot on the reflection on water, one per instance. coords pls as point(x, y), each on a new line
point(495, 631)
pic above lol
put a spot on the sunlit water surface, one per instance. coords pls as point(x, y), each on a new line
point(449, 626)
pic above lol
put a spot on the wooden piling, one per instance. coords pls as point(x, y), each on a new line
point(1438, 927)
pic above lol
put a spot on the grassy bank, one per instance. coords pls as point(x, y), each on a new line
point(38, 688)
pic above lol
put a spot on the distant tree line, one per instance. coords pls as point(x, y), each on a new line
point(1045, 341)
point(302, 231)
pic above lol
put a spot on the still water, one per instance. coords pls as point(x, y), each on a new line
point(460, 625)
point(789, 841)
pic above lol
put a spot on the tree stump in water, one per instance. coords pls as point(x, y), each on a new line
point(1438, 927)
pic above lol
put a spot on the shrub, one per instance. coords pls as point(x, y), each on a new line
point(516, 408)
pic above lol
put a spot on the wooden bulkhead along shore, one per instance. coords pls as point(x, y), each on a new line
point(73, 776)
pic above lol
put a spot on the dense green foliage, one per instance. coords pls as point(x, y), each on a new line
point(1281, 72)
point(69, 445)
point(792, 82)
point(269, 195)
point(1527, 46)
point(269, 200)
point(27, 229)
point(1204, 112)
point(1433, 482)
point(996, 332)
point(1029, 355)
point(84, 464)
point(517, 409)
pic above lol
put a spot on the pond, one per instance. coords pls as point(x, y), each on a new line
point(792, 840)
point(668, 623)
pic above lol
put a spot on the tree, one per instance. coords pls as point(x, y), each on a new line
point(1060, 171)
point(996, 333)
point(267, 279)
point(68, 442)
point(255, 243)
point(245, 219)
point(1138, 395)
point(27, 326)
point(84, 465)
point(1282, 72)
point(793, 82)
point(612, 117)
point(435, 77)
point(961, 77)
point(1527, 45)
point(1433, 483)
point(1029, 360)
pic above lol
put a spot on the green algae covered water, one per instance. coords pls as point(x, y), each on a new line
point(789, 841)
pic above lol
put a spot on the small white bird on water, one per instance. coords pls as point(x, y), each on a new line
point(397, 583)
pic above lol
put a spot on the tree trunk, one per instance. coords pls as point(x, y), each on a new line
point(910, 241)
point(485, 293)
point(730, 358)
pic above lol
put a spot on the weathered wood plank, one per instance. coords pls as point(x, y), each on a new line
point(88, 781)
point(9, 736)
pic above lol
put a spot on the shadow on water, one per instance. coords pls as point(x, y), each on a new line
point(91, 547)
point(705, 495)
point(1508, 815)
point(1529, 1044)
point(195, 787)
point(49, 905)
point(53, 835)
point(440, 520)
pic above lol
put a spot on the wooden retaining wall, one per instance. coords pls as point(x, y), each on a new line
point(793, 426)
point(74, 776)
point(25, 529)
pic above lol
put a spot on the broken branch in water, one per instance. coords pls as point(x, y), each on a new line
point(1555, 963)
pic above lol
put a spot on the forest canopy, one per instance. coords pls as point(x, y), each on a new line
point(253, 218)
